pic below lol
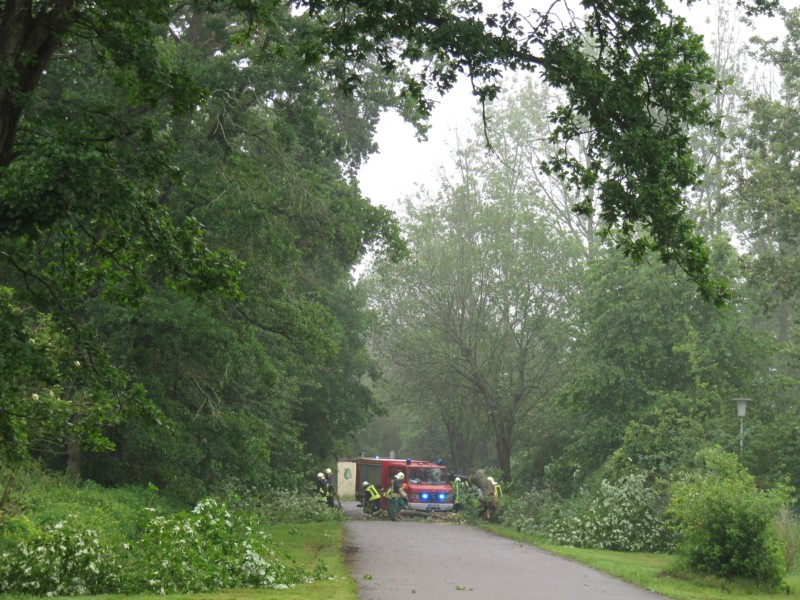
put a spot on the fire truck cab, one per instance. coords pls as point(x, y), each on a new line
point(427, 483)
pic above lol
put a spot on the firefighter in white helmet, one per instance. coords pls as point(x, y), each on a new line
point(396, 498)
point(494, 499)
point(322, 487)
point(372, 498)
point(331, 490)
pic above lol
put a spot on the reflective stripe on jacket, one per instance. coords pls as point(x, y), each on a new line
point(373, 492)
point(458, 490)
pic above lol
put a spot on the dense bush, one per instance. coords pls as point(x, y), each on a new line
point(288, 506)
point(621, 515)
point(207, 549)
point(726, 522)
point(530, 511)
point(63, 560)
point(36, 500)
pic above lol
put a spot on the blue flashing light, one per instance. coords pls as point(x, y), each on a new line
point(424, 496)
point(442, 497)
point(408, 461)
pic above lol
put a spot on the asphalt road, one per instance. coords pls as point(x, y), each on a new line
point(418, 560)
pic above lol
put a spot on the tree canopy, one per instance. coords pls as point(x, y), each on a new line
point(634, 75)
point(179, 214)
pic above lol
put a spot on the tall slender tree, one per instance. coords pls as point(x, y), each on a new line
point(481, 307)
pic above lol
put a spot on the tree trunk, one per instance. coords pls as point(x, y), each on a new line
point(27, 42)
point(74, 460)
point(504, 457)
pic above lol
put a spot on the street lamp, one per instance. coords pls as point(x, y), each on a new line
point(741, 409)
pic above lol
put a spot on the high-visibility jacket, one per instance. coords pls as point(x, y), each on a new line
point(393, 491)
point(458, 491)
point(498, 490)
point(373, 492)
point(322, 489)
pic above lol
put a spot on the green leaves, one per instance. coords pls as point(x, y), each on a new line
point(185, 172)
point(208, 549)
point(768, 207)
point(475, 323)
point(726, 521)
point(635, 88)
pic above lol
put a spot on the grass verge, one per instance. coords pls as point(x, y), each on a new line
point(656, 572)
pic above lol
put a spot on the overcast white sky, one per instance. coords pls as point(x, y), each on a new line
point(403, 163)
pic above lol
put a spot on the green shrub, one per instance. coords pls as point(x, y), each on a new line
point(531, 511)
point(726, 523)
point(37, 499)
point(62, 538)
point(626, 514)
point(208, 549)
point(287, 506)
point(63, 560)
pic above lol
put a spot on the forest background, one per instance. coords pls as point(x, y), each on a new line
point(181, 221)
point(565, 367)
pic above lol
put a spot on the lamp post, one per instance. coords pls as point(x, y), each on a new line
point(741, 409)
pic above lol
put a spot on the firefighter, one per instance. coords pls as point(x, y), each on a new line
point(396, 497)
point(404, 495)
point(331, 490)
point(494, 499)
point(322, 487)
point(496, 488)
point(459, 491)
point(372, 504)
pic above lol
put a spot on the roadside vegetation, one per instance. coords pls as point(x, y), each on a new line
point(707, 532)
point(63, 539)
point(301, 541)
point(659, 572)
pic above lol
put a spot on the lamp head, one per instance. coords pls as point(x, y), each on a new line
point(741, 406)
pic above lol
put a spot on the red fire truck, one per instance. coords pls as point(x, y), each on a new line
point(427, 484)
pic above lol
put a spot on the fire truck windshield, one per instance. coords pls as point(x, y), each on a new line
point(430, 475)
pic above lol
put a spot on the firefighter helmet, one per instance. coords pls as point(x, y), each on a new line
point(401, 475)
point(365, 484)
point(457, 480)
point(491, 480)
point(320, 476)
point(327, 471)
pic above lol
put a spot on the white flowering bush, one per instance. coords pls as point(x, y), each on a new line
point(207, 549)
point(286, 506)
point(530, 511)
point(62, 561)
point(623, 515)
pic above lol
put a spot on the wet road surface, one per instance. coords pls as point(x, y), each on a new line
point(414, 559)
